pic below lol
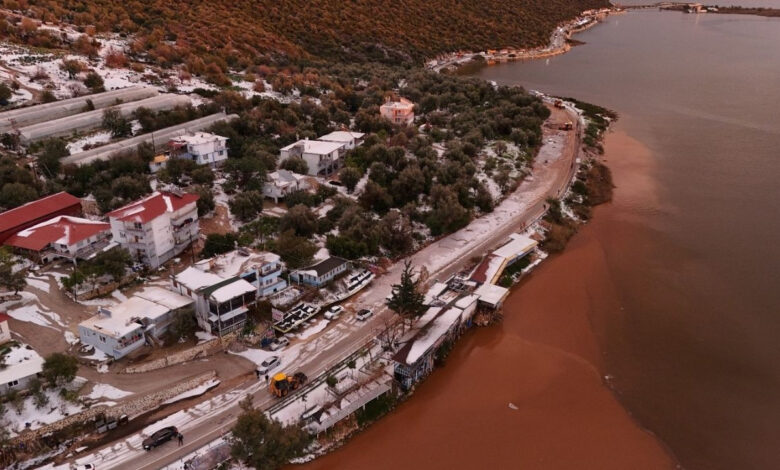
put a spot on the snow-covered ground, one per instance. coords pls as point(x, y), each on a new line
point(107, 391)
point(195, 392)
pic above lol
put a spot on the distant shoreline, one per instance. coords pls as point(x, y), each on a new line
point(560, 43)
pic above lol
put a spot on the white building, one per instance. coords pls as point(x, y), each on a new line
point(221, 305)
point(348, 138)
point(5, 331)
point(22, 365)
point(262, 269)
point(278, 184)
point(201, 147)
point(322, 158)
point(141, 319)
point(157, 227)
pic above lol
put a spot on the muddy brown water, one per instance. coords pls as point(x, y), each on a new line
point(671, 291)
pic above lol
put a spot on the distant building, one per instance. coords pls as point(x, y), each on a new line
point(322, 158)
point(141, 319)
point(278, 184)
point(349, 139)
point(399, 111)
point(61, 237)
point(262, 269)
point(221, 305)
point(22, 365)
point(157, 227)
point(321, 273)
point(5, 331)
point(27, 215)
point(201, 147)
point(158, 163)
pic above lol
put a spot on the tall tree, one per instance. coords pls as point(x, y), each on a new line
point(263, 443)
point(407, 300)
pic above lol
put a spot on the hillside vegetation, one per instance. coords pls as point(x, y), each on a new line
point(241, 33)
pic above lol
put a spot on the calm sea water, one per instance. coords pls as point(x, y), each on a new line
point(696, 357)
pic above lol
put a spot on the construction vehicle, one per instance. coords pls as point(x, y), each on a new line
point(282, 384)
point(567, 126)
point(559, 104)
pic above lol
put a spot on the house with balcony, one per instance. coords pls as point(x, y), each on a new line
point(317, 275)
point(142, 319)
point(278, 184)
point(221, 304)
point(398, 111)
point(262, 269)
point(157, 227)
point(201, 147)
point(322, 158)
point(63, 236)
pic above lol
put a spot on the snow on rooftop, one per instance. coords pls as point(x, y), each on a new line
point(119, 320)
point(491, 293)
point(341, 136)
point(464, 302)
point(517, 246)
point(437, 328)
point(198, 138)
point(232, 290)
point(234, 263)
point(164, 297)
point(20, 362)
point(316, 146)
point(434, 292)
point(195, 279)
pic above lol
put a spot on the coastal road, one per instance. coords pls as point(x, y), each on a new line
point(201, 424)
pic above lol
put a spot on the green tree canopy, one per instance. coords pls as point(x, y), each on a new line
point(263, 443)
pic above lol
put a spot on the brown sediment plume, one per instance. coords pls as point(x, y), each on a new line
point(528, 393)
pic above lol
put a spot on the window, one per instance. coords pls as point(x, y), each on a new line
point(13, 383)
point(138, 225)
point(102, 339)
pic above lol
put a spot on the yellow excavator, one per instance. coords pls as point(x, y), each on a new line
point(282, 384)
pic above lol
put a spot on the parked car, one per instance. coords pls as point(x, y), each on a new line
point(160, 437)
point(278, 343)
point(333, 312)
point(364, 314)
point(268, 365)
point(86, 466)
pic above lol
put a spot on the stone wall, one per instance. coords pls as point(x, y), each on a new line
point(151, 401)
point(199, 351)
point(131, 408)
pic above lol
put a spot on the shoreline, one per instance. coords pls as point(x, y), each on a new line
point(560, 42)
point(585, 157)
point(553, 408)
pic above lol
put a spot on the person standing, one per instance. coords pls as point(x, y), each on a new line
point(181, 439)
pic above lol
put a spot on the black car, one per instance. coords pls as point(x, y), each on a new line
point(160, 437)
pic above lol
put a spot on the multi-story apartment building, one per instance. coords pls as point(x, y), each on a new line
point(157, 227)
point(399, 111)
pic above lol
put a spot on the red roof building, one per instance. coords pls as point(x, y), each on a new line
point(34, 212)
point(153, 206)
point(62, 236)
point(5, 332)
point(156, 228)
